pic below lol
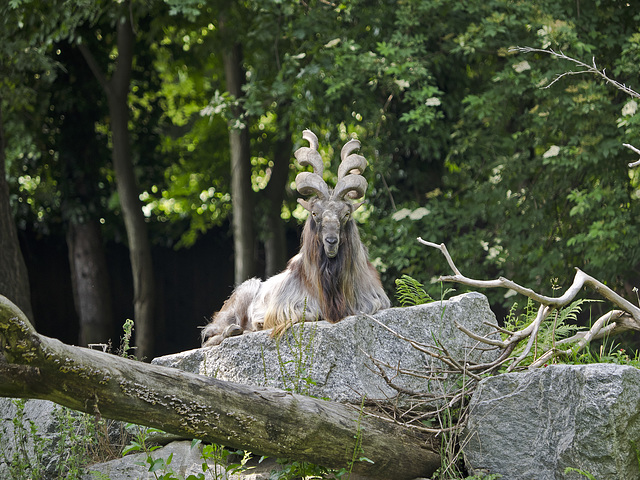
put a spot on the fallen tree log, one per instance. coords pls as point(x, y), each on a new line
point(265, 421)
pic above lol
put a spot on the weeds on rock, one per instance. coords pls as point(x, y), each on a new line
point(80, 440)
point(26, 460)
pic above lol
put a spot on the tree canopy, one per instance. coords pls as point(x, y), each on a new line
point(469, 141)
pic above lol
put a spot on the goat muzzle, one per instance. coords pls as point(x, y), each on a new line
point(331, 244)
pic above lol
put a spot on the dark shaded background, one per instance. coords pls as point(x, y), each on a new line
point(192, 283)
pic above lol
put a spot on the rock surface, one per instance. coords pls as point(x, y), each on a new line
point(40, 413)
point(337, 361)
point(536, 424)
point(530, 425)
point(185, 460)
point(317, 358)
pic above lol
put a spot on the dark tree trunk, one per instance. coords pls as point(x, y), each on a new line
point(241, 192)
point(263, 420)
point(90, 282)
point(117, 90)
point(137, 234)
point(14, 279)
point(275, 244)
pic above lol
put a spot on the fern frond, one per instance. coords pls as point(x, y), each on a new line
point(570, 312)
point(410, 292)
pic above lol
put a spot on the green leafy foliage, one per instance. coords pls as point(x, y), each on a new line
point(221, 456)
point(515, 321)
point(80, 440)
point(525, 186)
point(218, 461)
point(561, 324)
point(410, 292)
point(295, 469)
point(296, 372)
point(580, 472)
point(22, 463)
point(518, 180)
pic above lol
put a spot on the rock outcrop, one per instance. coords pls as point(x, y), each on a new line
point(547, 423)
point(537, 424)
point(337, 362)
point(340, 362)
point(42, 416)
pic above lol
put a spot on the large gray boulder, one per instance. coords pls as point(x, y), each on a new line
point(341, 362)
point(536, 424)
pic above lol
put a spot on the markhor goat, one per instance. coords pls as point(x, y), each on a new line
point(330, 278)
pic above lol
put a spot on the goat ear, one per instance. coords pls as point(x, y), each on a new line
point(357, 205)
point(304, 203)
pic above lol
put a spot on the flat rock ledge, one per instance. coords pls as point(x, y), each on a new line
point(535, 425)
point(341, 362)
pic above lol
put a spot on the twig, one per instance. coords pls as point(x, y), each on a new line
point(587, 69)
point(423, 348)
point(440, 375)
point(502, 359)
point(543, 313)
point(637, 162)
point(390, 382)
point(593, 69)
point(444, 251)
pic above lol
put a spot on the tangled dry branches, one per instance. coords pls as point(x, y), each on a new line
point(625, 317)
point(429, 406)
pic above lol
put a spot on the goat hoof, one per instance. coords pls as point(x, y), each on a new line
point(232, 331)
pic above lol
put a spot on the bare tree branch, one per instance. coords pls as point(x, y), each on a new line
point(593, 69)
point(627, 317)
point(543, 312)
point(444, 251)
point(637, 162)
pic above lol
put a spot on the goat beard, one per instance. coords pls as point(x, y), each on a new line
point(331, 272)
point(334, 305)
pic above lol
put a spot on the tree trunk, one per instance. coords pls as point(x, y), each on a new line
point(90, 282)
point(262, 420)
point(14, 279)
point(275, 244)
point(117, 90)
point(137, 235)
point(241, 192)
point(242, 212)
